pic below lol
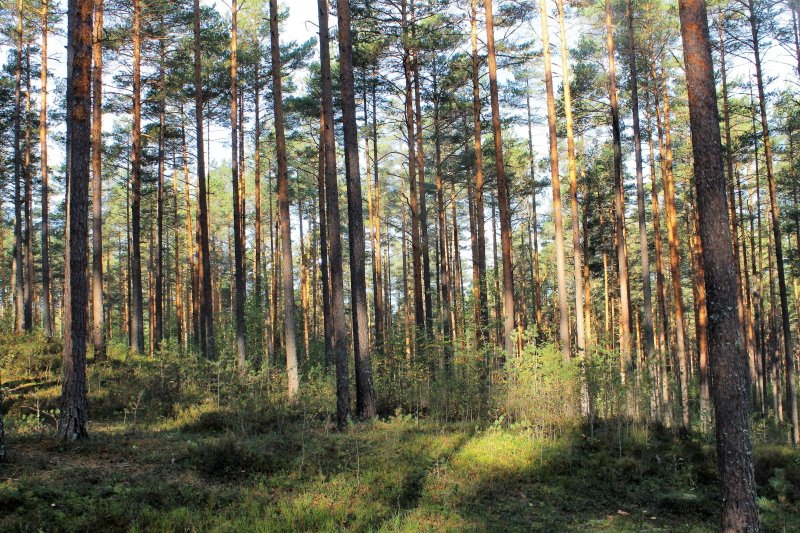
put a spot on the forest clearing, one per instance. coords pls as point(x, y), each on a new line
point(399, 265)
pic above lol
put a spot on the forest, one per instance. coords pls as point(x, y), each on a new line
point(399, 265)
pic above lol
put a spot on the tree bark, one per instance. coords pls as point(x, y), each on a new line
point(365, 397)
point(502, 190)
point(72, 420)
point(137, 311)
point(238, 225)
point(47, 318)
point(729, 374)
point(98, 335)
point(561, 267)
point(283, 202)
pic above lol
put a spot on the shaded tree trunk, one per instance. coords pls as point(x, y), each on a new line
point(137, 311)
point(98, 334)
point(238, 223)
point(47, 318)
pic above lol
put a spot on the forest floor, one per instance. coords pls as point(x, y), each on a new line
point(168, 453)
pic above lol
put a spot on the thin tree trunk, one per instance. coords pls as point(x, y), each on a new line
point(480, 291)
point(28, 290)
point(47, 318)
point(729, 374)
point(18, 268)
point(502, 190)
point(207, 337)
point(97, 185)
point(238, 225)
point(365, 398)
point(327, 318)
point(561, 267)
point(791, 393)
point(158, 292)
point(137, 311)
point(283, 202)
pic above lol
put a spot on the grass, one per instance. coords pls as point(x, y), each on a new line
point(180, 446)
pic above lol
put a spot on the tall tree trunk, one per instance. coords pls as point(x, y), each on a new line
point(365, 398)
point(283, 202)
point(561, 267)
point(502, 190)
point(28, 290)
point(791, 393)
point(47, 318)
point(207, 337)
point(380, 313)
point(98, 335)
point(416, 244)
point(423, 208)
point(448, 317)
point(324, 232)
point(72, 420)
point(19, 281)
point(665, 149)
point(649, 341)
point(137, 311)
point(729, 374)
point(619, 207)
point(158, 289)
point(480, 291)
point(238, 225)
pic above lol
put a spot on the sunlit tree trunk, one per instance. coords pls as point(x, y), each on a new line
point(619, 206)
point(73, 414)
point(204, 292)
point(502, 190)
point(98, 334)
point(47, 318)
point(137, 311)
point(561, 268)
point(791, 393)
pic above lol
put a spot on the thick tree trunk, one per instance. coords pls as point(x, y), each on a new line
point(365, 397)
point(502, 190)
point(283, 202)
point(98, 334)
point(72, 420)
point(729, 374)
point(561, 267)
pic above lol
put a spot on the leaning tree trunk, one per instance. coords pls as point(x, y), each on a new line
point(729, 373)
point(72, 421)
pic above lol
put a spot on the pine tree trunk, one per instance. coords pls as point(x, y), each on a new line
point(72, 420)
point(158, 292)
point(791, 393)
point(47, 318)
point(480, 291)
point(204, 292)
point(619, 208)
point(28, 289)
point(729, 374)
point(502, 190)
point(561, 267)
point(283, 203)
point(18, 268)
point(98, 334)
point(238, 226)
point(137, 311)
point(365, 398)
